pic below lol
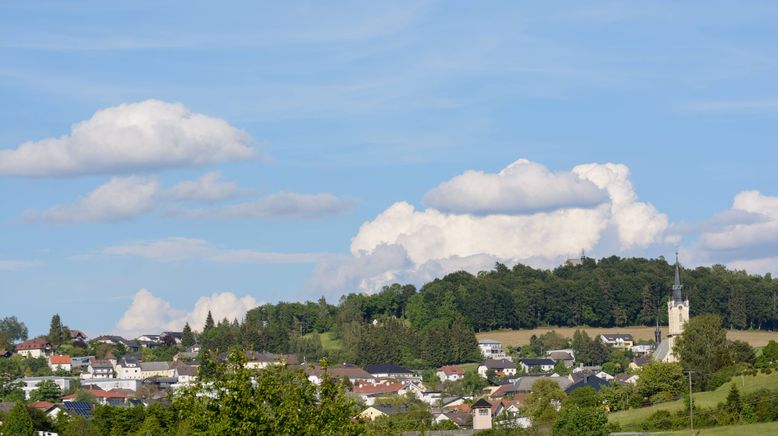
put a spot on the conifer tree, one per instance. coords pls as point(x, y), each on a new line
point(209, 324)
point(56, 331)
point(187, 337)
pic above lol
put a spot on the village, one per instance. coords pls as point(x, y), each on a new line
point(381, 389)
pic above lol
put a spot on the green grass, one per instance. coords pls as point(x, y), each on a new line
point(468, 366)
point(631, 419)
point(764, 428)
point(329, 343)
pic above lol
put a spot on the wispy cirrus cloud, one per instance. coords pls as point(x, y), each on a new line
point(17, 264)
point(176, 249)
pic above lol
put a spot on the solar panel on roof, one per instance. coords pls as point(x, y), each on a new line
point(80, 408)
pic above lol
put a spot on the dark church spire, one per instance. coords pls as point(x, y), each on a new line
point(677, 297)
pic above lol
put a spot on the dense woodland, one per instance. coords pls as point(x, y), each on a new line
point(434, 325)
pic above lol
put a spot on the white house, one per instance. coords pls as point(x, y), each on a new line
point(38, 347)
point(622, 341)
point(128, 368)
point(99, 369)
point(492, 349)
point(450, 373)
point(542, 365)
point(107, 384)
point(501, 366)
point(30, 383)
point(60, 363)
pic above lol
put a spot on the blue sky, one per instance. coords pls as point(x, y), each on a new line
point(344, 145)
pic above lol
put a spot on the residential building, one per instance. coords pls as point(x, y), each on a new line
point(501, 367)
point(38, 347)
point(108, 384)
point(642, 350)
point(537, 365)
point(129, 368)
point(450, 373)
point(567, 356)
point(60, 363)
point(31, 383)
point(622, 341)
point(156, 369)
point(369, 392)
point(590, 381)
point(348, 371)
point(257, 360)
point(492, 349)
point(99, 369)
point(392, 371)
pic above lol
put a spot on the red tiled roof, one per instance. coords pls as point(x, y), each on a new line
point(60, 360)
point(451, 369)
point(371, 389)
point(464, 407)
point(109, 394)
point(33, 344)
point(43, 405)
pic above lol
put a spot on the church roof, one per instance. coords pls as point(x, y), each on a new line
point(677, 287)
point(662, 351)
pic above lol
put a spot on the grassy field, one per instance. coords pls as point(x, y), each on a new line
point(631, 419)
point(521, 337)
point(764, 428)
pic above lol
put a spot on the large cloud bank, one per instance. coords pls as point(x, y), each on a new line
point(524, 213)
point(128, 137)
point(151, 314)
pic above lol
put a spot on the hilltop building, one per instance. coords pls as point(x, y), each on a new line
point(678, 316)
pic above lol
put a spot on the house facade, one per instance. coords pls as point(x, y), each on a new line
point(491, 349)
point(38, 347)
point(450, 373)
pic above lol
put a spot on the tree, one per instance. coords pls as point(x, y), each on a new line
point(209, 324)
point(57, 332)
point(14, 329)
point(275, 400)
point(18, 422)
point(703, 348)
point(544, 401)
point(581, 421)
point(661, 377)
point(150, 427)
point(187, 337)
point(46, 390)
point(75, 426)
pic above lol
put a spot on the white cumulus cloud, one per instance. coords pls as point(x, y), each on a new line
point(522, 186)
point(135, 136)
point(118, 199)
point(151, 314)
point(525, 213)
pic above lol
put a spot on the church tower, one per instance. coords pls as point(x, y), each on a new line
point(677, 315)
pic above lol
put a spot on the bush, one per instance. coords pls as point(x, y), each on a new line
point(660, 420)
point(722, 376)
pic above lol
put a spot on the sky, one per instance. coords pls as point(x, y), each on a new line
point(162, 159)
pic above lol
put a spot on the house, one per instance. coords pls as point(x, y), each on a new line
point(38, 347)
point(77, 408)
point(369, 392)
point(156, 369)
point(604, 375)
point(373, 412)
point(60, 362)
point(537, 365)
point(108, 384)
point(77, 335)
point(5, 354)
point(514, 419)
point(459, 417)
point(110, 398)
point(50, 409)
point(525, 384)
point(29, 384)
point(149, 338)
point(186, 374)
point(129, 367)
point(99, 369)
point(257, 360)
point(492, 349)
point(589, 381)
point(623, 341)
point(638, 362)
point(450, 373)
point(567, 356)
point(500, 367)
point(482, 414)
point(110, 340)
point(80, 361)
point(172, 338)
point(642, 350)
point(627, 378)
point(387, 370)
point(351, 372)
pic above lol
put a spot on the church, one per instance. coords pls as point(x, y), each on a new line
point(677, 315)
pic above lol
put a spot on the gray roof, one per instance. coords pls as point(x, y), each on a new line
point(624, 336)
point(488, 341)
point(524, 384)
point(537, 362)
point(662, 351)
point(560, 355)
point(498, 364)
point(154, 366)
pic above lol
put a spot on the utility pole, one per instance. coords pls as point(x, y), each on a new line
point(691, 402)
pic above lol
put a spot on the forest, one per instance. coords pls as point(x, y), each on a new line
point(435, 325)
